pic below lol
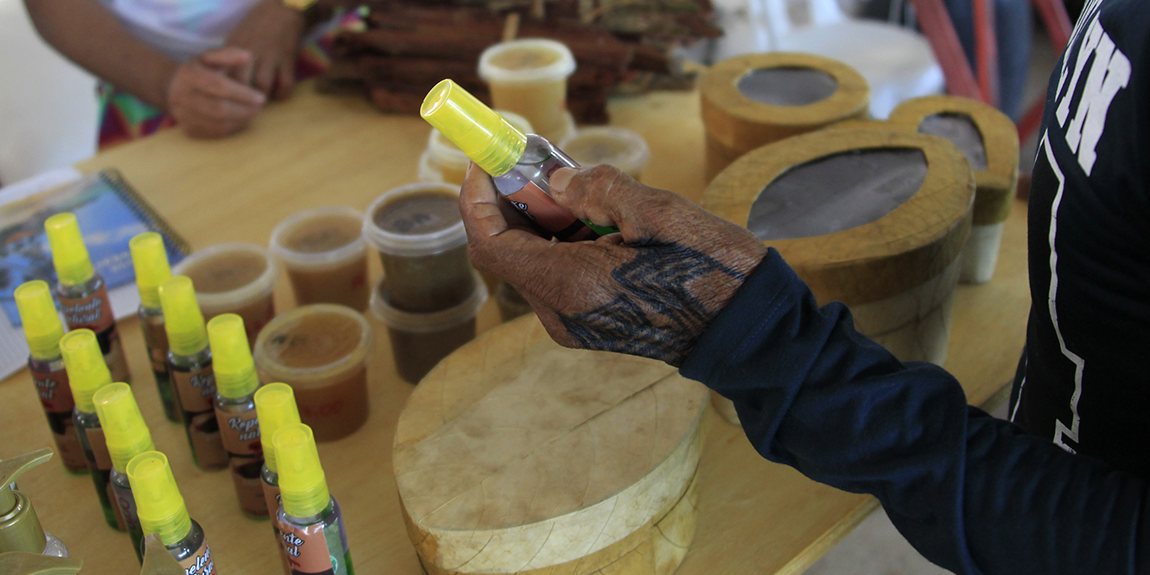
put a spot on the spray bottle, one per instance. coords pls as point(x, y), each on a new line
point(162, 511)
point(276, 407)
point(127, 436)
point(190, 365)
point(236, 385)
point(152, 269)
point(20, 528)
point(520, 164)
point(82, 293)
point(87, 373)
point(313, 535)
point(43, 330)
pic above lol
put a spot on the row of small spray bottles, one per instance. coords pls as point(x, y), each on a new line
point(211, 392)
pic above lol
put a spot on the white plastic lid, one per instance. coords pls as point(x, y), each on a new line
point(319, 259)
point(429, 322)
point(560, 66)
point(413, 245)
point(269, 350)
point(630, 155)
point(448, 155)
point(260, 287)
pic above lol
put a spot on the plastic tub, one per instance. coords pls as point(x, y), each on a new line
point(234, 278)
point(529, 77)
point(618, 147)
point(419, 234)
point(325, 256)
point(421, 340)
point(321, 351)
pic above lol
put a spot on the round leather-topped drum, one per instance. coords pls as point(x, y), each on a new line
point(516, 455)
point(989, 140)
point(752, 100)
point(875, 219)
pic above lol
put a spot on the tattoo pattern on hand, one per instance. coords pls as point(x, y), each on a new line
point(656, 315)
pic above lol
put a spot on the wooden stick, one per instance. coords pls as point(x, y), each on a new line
point(511, 27)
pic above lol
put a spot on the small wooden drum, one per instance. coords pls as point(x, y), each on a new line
point(875, 219)
point(989, 140)
point(515, 455)
point(756, 99)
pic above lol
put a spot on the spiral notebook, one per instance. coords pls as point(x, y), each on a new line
point(110, 212)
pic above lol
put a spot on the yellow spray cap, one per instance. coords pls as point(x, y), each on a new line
point(151, 262)
point(232, 357)
point(303, 487)
point(158, 501)
point(275, 409)
point(182, 318)
point(485, 136)
point(69, 254)
point(87, 372)
point(42, 326)
point(124, 428)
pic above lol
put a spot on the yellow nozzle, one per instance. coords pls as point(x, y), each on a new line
point(124, 428)
point(232, 357)
point(42, 326)
point(182, 318)
point(480, 132)
point(275, 409)
point(158, 501)
point(303, 487)
point(87, 372)
point(69, 254)
point(151, 262)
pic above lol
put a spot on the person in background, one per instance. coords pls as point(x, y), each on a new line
point(1068, 492)
point(207, 65)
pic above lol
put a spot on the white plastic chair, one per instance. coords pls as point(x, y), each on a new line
point(896, 62)
point(47, 105)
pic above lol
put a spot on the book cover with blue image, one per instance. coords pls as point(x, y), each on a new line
point(110, 214)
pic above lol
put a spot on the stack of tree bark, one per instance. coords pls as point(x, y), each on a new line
point(619, 46)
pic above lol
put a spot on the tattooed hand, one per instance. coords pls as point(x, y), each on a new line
point(650, 290)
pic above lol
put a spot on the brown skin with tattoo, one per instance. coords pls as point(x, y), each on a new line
point(650, 290)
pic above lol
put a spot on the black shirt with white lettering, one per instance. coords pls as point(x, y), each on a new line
point(1081, 383)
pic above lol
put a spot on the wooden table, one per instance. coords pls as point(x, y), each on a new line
point(756, 517)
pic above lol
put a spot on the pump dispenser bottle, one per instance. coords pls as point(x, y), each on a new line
point(127, 436)
point(150, 260)
point(520, 164)
point(314, 539)
point(236, 385)
point(190, 366)
point(43, 330)
point(87, 373)
point(162, 511)
point(20, 528)
point(82, 293)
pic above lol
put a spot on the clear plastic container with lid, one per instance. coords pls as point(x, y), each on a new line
point(420, 340)
point(422, 245)
point(321, 351)
point(529, 77)
point(618, 147)
point(234, 278)
point(325, 256)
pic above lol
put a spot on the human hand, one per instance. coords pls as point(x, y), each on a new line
point(271, 32)
point(650, 290)
point(206, 101)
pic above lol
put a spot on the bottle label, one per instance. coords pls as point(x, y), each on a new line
point(195, 389)
point(55, 393)
point(200, 562)
point(94, 312)
point(241, 437)
point(543, 210)
point(272, 500)
point(156, 340)
point(56, 397)
point(314, 550)
point(125, 504)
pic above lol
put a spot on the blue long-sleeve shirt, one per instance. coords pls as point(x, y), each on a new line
point(971, 493)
